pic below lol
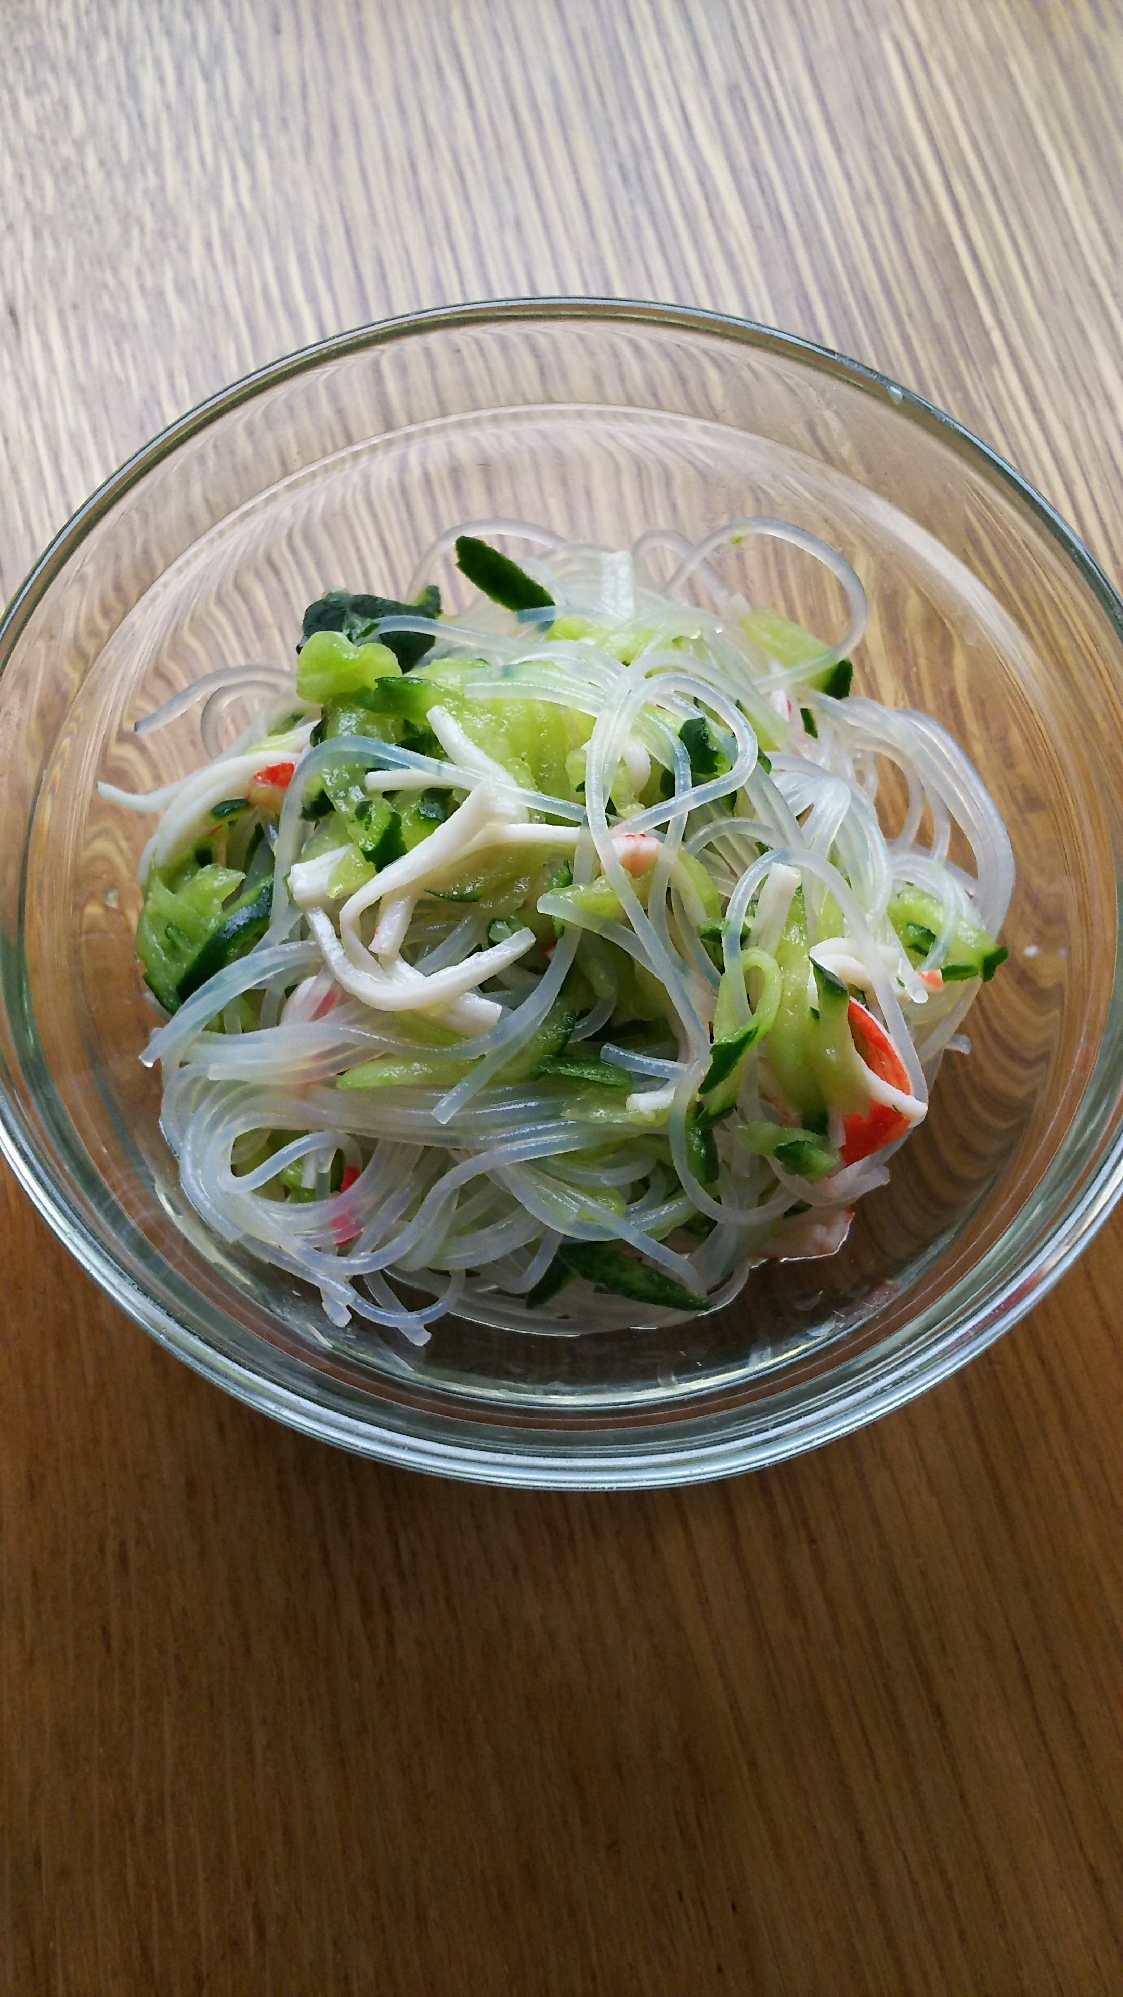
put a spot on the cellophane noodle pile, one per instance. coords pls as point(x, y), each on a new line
point(549, 963)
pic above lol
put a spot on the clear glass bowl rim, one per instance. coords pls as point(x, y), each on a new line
point(695, 1450)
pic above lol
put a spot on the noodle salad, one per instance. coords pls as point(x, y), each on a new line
point(550, 963)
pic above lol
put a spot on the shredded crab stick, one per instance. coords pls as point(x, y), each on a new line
point(893, 1108)
point(550, 962)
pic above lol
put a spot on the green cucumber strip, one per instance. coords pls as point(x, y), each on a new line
point(916, 938)
point(420, 738)
point(501, 892)
point(288, 722)
point(601, 1073)
point(245, 924)
point(972, 951)
point(837, 681)
point(494, 575)
point(372, 824)
point(556, 1277)
point(838, 1070)
point(175, 923)
point(350, 872)
point(732, 1042)
point(809, 722)
point(574, 627)
point(383, 842)
point(701, 1150)
point(427, 1034)
point(707, 757)
point(831, 990)
point(609, 1267)
point(349, 717)
point(330, 667)
point(762, 1138)
point(292, 1178)
point(439, 1070)
point(807, 1156)
point(713, 930)
point(548, 1040)
point(231, 807)
point(344, 785)
point(984, 970)
point(725, 1055)
point(395, 1071)
point(789, 644)
point(356, 617)
point(714, 1109)
point(791, 1045)
point(419, 816)
point(486, 885)
point(408, 700)
point(766, 1140)
point(597, 898)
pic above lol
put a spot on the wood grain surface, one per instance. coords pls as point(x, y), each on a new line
point(274, 1720)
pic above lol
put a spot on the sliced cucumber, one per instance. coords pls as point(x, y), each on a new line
point(243, 926)
point(496, 576)
point(599, 1262)
point(918, 918)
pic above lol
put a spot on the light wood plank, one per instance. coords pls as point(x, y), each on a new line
point(275, 1720)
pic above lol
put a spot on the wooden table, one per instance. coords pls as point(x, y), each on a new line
point(273, 1720)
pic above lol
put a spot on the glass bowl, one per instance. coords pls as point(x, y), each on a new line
point(339, 465)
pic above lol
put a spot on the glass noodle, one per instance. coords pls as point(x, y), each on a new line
point(529, 1005)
